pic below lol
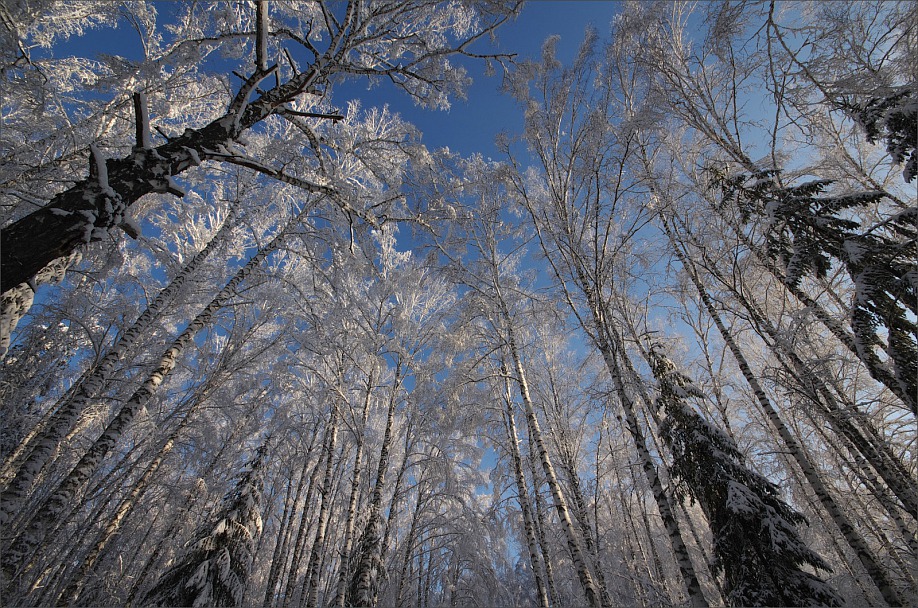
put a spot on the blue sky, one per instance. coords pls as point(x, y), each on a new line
point(471, 124)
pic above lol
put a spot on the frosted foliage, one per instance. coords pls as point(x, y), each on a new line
point(36, 22)
point(449, 351)
point(214, 570)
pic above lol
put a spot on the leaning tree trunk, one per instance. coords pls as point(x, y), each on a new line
point(877, 369)
point(18, 558)
point(523, 496)
point(72, 593)
point(92, 384)
point(364, 581)
point(540, 524)
point(857, 543)
point(573, 541)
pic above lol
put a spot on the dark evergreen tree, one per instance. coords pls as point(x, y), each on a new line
point(893, 117)
point(806, 231)
point(755, 540)
point(214, 569)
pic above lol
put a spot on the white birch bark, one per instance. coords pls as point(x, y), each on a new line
point(357, 474)
point(535, 560)
point(571, 533)
point(40, 448)
point(312, 569)
point(47, 516)
point(854, 539)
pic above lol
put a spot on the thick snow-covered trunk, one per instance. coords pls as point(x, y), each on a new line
point(522, 493)
point(854, 539)
point(60, 228)
point(47, 516)
point(36, 450)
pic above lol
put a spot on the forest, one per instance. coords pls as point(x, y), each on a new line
point(260, 345)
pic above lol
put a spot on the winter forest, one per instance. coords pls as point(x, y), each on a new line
point(260, 345)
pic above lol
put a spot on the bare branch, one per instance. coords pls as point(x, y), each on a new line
point(261, 36)
point(142, 119)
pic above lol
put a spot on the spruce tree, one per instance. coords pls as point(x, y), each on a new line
point(757, 548)
point(214, 569)
point(808, 231)
point(892, 117)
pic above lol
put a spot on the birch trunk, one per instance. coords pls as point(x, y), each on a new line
point(72, 408)
point(344, 569)
point(856, 542)
point(574, 543)
point(312, 587)
point(280, 552)
point(364, 583)
point(840, 416)
point(523, 495)
point(878, 370)
point(72, 592)
point(539, 524)
point(18, 557)
point(300, 541)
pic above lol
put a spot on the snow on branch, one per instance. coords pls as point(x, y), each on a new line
point(241, 100)
point(331, 117)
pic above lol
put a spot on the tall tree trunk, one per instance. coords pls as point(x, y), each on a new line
point(397, 495)
point(39, 448)
point(347, 546)
point(281, 553)
point(72, 592)
point(44, 520)
point(364, 581)
point(540, 524)
point(573, 538)
point(523, 493)
point(878, 370)
point(300, 542)
point(312, 569)
point(842, 417)
point(857, 543)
